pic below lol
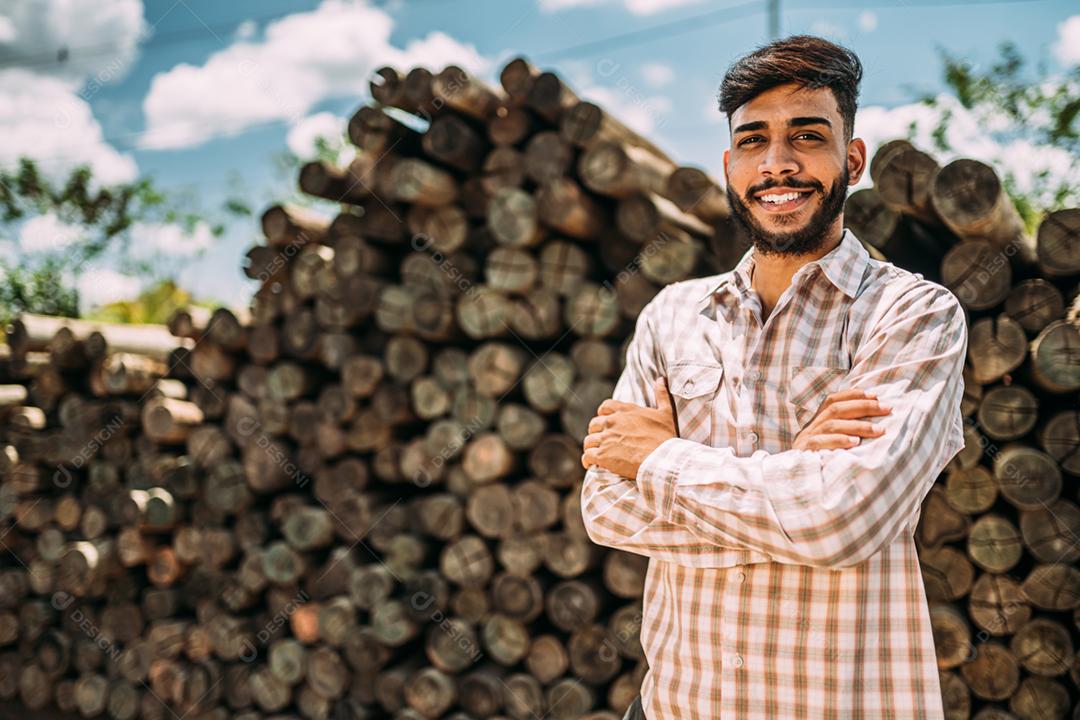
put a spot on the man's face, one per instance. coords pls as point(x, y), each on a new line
point(789, 168)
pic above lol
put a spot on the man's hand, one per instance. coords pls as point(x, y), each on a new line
point(834, 425)
point(623, 434)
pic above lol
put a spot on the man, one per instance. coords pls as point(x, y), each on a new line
point(775, 430)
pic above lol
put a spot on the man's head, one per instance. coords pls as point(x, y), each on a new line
point(791, 107)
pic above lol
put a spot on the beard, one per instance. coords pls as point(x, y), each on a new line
point(808, 237)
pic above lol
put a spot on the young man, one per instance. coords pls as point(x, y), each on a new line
point(775, 430)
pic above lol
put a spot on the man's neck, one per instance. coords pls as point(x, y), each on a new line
point(772, 273)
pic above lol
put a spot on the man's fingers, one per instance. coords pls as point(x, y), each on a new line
point(589, 458)
point(847, 394)
point(609, 406)
point(831, 441)
point(856, 408)
point(591, 440)
point(596, 424)
point(861, 428)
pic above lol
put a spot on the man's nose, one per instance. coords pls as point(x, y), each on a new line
point(778, 160)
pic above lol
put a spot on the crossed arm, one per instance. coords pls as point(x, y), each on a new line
point(825, 508)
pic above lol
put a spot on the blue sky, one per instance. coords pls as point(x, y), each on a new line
point(202, 95)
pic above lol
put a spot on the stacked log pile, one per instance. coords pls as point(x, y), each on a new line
point(999, 533)
point(359, 497)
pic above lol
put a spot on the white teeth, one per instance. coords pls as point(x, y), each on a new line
point(780, 198)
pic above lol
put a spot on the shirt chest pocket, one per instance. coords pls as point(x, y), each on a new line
point(695, 388)
point(809, 386)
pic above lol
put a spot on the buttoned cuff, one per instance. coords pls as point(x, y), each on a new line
point(658, 475)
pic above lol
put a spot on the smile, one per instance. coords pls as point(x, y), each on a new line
point(782, 202)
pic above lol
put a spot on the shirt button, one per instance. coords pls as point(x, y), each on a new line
point(756, 374)
point(740, 576)
point(737, 661)
point(753, 438)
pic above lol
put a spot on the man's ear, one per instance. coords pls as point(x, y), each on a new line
point(856, 160)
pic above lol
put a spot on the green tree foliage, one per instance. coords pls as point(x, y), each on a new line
point(1015, 104)
point(44, 281)
point(153, 305)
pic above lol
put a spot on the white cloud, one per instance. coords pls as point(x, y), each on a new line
point(245, 30)
point(41, 117)
point(301, 60)
point(1067, 48)
point(100, 286)
point(711, 112)
point(867, 21)
point(44, 106)
point(7, 30)
point(149, 239)
point(643, 114)
point(637, 7)
point(31, 31)
point(657, 74)
point(48, 233)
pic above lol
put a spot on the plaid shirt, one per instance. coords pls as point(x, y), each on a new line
point(785, 583)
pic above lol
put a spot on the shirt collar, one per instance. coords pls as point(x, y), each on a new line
point(843, 265)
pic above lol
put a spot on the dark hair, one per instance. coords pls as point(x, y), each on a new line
point(809, 61)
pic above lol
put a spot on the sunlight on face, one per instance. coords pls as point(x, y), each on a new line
point(789, 167)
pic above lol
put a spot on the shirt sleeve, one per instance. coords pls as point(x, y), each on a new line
point(613, 510)
point(836, 507)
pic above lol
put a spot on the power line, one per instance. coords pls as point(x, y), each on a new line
point(657, 32)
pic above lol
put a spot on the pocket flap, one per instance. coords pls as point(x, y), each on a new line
point(691, 380)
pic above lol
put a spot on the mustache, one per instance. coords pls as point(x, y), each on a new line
point(792, 183)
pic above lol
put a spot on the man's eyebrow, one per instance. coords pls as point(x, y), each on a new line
point(793, 122)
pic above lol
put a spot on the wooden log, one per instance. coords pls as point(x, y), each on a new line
point(993, 673)
point(994, 543)
point(547, 156)
point(695, 192)
point(550, 98)
point(619, 170)
point(387, 87)
point(514, 219)
point(510, 125)
point(1008, 412)
point(292, 225)
point(947, 573)
point(377, 132)
point(1034, 304)
point(998, 346)
point(517, 78)
point(465, 93)
point(971, 200)
point(644, 217)
point(1049, 532)
point(563, 205)
point(978, 274)
point(1060, 438)
point(906, 180)
point(1057, 243)
point(1055, 360)
point(586, 123)
point(454, 142)
point(1027, 477)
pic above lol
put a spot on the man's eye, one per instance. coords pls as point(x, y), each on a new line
point(812, 136)
point(749, 139)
